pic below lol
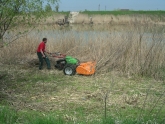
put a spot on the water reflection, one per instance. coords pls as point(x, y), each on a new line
point(75, 31)
point(91, 31)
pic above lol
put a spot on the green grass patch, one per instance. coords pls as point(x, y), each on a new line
point(11, 116)
point(120, 12)
point(114, 12)
point(8, 116)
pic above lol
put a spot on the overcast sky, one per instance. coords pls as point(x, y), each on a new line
point(94, 5)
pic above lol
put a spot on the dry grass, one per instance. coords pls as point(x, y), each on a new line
point(53, 19)
point(80, 98)
point(121, 55)
point(136, 49)
point(120, 19)
point(18, 51)
point(99, 19)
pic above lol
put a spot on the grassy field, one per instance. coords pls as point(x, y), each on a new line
point(124, 12)
point(35, 96)
point(117, 12)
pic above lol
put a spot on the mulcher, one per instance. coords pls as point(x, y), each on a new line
point(72, 66)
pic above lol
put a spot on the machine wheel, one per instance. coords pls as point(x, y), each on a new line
point(60, 64)
point(69, 69)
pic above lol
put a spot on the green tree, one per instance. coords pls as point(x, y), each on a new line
point(48, 8)
point(16, 12)
point(57, 7)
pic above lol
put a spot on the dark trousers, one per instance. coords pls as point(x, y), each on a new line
point(41, 60)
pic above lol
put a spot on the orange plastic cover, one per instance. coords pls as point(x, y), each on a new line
point(87, 68)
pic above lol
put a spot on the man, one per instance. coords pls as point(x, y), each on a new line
point(41, 54)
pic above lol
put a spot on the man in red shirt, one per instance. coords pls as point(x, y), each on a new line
point(41, 54)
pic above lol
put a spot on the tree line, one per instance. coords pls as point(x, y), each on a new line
point(16, 12)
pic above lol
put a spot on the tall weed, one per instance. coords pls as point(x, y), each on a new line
point(137, 49)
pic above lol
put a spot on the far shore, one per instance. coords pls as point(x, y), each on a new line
point(107, 19)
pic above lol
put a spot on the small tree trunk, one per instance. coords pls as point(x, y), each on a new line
point(1, 41)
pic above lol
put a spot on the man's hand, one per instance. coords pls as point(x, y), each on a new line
point(43, 56)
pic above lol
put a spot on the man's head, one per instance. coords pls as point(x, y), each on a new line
point(44, 40)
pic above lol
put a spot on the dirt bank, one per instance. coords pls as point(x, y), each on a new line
point(107, 19)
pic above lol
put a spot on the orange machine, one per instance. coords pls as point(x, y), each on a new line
point(87, 68)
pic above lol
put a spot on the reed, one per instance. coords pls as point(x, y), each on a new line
point(18, 51)
point(139, 50)
point(103, 17)
point(117, 19)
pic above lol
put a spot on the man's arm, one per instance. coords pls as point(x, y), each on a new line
point(43, 55)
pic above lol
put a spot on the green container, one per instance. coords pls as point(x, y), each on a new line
point(71, 60)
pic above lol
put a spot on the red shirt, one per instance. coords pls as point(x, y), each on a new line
point(41, 46)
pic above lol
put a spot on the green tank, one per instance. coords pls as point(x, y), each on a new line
point(71, 60)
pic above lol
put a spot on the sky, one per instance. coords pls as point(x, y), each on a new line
point(95, 5)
